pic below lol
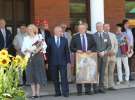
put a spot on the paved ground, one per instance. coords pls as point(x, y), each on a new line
point(123, 92)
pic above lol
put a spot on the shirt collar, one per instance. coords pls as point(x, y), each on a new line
point(56, 37)
point(82, 34)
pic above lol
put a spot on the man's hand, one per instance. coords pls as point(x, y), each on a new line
point(101, 54)
point(79, 51)
point(89, 51)
point(68, 65)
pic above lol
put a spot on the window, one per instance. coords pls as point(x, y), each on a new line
point(79, 10)
point(130, 9)
point(15, 12)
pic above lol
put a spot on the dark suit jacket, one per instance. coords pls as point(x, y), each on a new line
point(47, 34)
point(76, 43)
point(9, 39)
point(105, 44)
point(58, 56)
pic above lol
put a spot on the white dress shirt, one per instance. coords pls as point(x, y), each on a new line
point(56, 39)
point(18, 40)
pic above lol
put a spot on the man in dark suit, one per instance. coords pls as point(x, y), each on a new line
point(59, 57)
point(6, 37)
point(103, 44)
point(83, 42)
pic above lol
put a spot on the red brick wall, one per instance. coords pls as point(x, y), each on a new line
point(55, 11)
point(114, 12)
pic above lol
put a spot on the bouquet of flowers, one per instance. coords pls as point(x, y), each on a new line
point(9, 78)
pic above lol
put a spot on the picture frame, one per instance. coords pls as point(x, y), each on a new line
point(86, 68)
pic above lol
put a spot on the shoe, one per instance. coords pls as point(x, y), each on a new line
point(102, 90)
point(119, 82)
point(131, 79)
point(95, 91)
point(111, 88)
point(88, 93)
point(66, 96)
point(57, 95)
point(33, 97)
point(79, 94)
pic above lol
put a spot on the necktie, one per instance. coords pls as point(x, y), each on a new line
point(58, 42)
point(100, 35)
point(83, 43)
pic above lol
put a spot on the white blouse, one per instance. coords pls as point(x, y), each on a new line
point(28, 44)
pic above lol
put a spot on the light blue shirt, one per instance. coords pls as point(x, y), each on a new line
point(56, 39)
point(129, 34)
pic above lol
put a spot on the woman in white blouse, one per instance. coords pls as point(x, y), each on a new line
point(34, 47)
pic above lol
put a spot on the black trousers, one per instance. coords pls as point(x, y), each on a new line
point(86, 86)
point(130, 68)
point(55, 70)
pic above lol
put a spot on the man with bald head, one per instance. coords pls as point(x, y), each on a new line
point(6, 37)
point(111, 61)
point(103, 45)
point(59, 57)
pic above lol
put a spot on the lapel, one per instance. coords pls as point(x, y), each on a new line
point(61, 42)
point(3, 36)
point(87, 40)
point(6, 34)
point(53, 42)
point(79, 40)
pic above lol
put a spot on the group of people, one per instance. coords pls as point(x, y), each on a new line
point(40, 46)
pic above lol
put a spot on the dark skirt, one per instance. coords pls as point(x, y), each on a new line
point(35, 72)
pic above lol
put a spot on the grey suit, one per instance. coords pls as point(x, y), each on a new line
point(103, 44)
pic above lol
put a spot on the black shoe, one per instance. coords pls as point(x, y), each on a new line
point(88, 93)
point(102, 90)
point(66, 96)
point(33, 97)
point(131, 79)
point(96, 91)
point(79, 94)
point(111, 88)
point(57, 95)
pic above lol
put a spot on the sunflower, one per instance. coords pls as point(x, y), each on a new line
point(17, 60)
point(3, 52)
point(4, 62)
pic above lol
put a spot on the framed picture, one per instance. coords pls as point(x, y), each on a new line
point(86, 68)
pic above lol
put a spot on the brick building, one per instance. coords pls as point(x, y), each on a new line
point(17, 12)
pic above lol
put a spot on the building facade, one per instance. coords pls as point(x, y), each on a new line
point(18, 12)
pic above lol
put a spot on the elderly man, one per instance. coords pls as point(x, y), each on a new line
point(103, 44)
point(6, 37)
point(17, 42)
point(59, 59)
point(83, 42)
point(111, 62)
